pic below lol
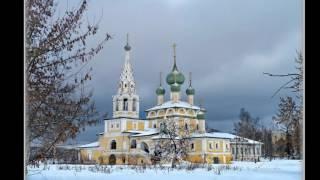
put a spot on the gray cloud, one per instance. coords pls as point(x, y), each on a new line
point(226, 44)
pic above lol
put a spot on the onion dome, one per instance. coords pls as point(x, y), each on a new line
point(200, 115)
point(190, 91)
point(175, 87)
point(175, 77)
point(127, 47)
point(160, 91)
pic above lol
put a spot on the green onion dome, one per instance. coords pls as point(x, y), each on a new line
point(175, 87)
point(200, 115)
point(175, 76)
point(160, 91)
point(190, 91)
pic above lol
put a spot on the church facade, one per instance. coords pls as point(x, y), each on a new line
point(129, 139)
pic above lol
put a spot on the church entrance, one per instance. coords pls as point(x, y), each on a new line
point(216, 160)
point(112, 159)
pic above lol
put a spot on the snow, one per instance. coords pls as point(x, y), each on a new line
point(215, 135)
point(171, 104)
point(225, 136)
point(264, 170)
point(145, 133)
point(90, 145)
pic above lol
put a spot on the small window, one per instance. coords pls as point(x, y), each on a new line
point(227, 147)
point(113, 144)
point(125, 104)
point(154, 125)
point(134, 104)
point(186, 126)
point(197, 126)
point(217, 146)
point(133, 144)
point(192, 146)
point(111, 125)
point(117, 125)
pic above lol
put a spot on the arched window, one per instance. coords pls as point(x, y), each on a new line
point(192, 146)
point(133, 144)
point(210, 146)
point(125, 104)
point(113, 144)
point(134, 105)
point(117, 105)
point(154, 125)
point(186, 126)
point(197, 126)
point(145, 147)
point(217, 146)
point(157, 150)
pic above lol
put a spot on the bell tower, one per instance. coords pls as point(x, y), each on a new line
point(126, 101)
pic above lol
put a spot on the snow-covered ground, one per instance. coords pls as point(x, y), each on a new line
point(264, 170)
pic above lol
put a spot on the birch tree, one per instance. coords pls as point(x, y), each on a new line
point(173, 142)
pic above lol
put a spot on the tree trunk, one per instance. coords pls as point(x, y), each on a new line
point(27, 144)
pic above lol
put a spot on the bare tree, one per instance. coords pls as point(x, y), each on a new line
point(267, 142)
point(296, 79)
point(247, 126)
point(58, 103)
point(286, 119)
point(173, 142)
point(294, 114)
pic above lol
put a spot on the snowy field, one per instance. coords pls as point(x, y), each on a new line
point(264, 170)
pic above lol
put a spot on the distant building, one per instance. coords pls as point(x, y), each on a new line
point(277, 135)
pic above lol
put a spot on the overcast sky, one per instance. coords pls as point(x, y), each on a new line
point(226, 44)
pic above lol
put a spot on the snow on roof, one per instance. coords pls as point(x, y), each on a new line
point(225, 136)
point(101, 133)
point(215, 135)
point(143, 133)
point(171, 104)
point(90, 145)
point(162, 137)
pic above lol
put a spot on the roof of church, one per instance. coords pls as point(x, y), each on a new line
point(90, 145)
point(143, 133)
point(171, 104)
point(225, 136)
